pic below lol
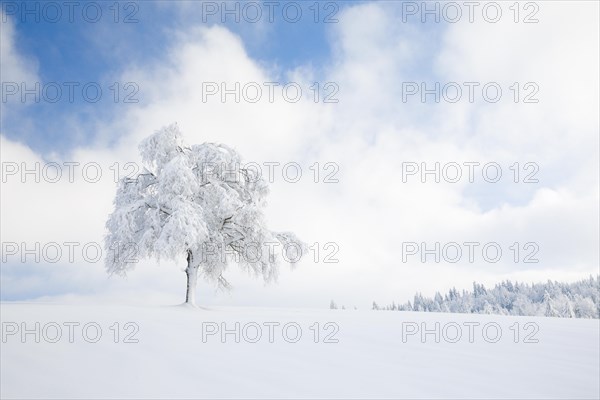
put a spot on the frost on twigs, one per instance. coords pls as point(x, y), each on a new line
point(196, 203)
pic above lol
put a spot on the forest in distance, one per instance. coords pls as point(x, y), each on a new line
point(551, 299)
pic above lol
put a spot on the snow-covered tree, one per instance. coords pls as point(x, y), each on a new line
point(567, 308)
point(198, 203)
point(585, 307)
point(549, 310)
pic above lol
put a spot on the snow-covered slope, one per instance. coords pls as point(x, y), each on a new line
point(359, 354)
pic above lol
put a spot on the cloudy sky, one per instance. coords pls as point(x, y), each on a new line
point(503, 99)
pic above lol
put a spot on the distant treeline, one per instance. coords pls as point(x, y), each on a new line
point(552, 299)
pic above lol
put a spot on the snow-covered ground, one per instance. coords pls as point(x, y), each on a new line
point(178, 352)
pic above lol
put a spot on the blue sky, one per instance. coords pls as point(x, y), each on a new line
point(83, 51)
point(370, 53)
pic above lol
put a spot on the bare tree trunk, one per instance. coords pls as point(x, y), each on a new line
point(192, 277)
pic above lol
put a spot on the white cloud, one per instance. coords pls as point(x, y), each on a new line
point(15, 66)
